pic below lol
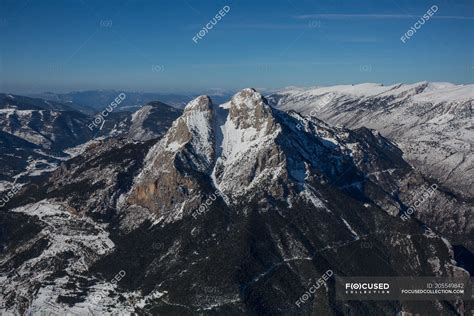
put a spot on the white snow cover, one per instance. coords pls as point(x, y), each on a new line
point(54, 215)
point(138, 118)
point(199, 124)
point(21, 113)
point(431, 91)
point(142, 112)
point(349, 227)
point(64, 234)
point(237, 142)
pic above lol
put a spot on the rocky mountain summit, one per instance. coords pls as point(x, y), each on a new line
point(237, 208)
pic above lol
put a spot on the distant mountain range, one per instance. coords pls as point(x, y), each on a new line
point(96, 100)
point(431, 122)
point(36, 135)
point(237, 207)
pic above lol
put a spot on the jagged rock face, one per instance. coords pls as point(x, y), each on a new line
point(188, 147)
point(248, 109)
point(302, 197)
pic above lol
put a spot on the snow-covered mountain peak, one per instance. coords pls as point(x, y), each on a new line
point(248, 98)
point(201, 103)
point(193, 127)
point(243, 146)
point(187, 148)
point(248, 108)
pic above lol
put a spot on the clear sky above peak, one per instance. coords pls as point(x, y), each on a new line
point(148, 45)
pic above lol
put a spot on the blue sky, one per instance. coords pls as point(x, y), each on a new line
point(147, 45)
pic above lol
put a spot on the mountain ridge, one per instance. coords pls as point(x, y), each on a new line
point(431, 122)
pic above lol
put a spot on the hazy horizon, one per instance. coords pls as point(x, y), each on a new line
point(217, 91)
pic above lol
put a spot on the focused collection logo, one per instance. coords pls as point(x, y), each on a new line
point(367, 288)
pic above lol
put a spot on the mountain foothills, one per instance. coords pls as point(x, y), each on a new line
point(37, 135)
point(237, 207)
